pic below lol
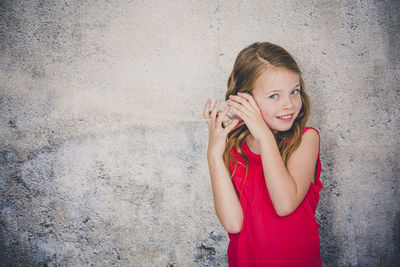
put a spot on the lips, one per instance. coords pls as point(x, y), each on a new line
point(286, 117)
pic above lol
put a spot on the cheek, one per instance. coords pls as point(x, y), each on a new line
point(267, 114)
point(299, 103)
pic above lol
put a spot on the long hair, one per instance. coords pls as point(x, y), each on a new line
point(249, 65)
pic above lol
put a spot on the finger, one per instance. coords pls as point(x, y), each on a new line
point(250, 99)
point(221, 116)
point(231, 126)
point(238, 107)
point(242, 101)
point(214, 113)
point(239, 113)
point(206, 112)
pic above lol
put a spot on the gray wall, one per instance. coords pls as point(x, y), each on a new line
point(103, 147)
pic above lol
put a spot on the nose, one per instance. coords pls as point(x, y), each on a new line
point(287, 103)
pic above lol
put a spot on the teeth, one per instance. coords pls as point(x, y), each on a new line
point(285, 117)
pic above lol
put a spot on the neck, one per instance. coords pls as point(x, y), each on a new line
point(253, 144)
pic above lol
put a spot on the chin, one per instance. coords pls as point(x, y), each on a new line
point(283, 128)
point(279, 127)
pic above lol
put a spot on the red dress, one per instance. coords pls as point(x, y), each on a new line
point(267, 239)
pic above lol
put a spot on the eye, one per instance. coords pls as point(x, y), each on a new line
point(272, 96)
point(296, 91)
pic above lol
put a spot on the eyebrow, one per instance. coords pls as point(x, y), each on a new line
point(281, 90)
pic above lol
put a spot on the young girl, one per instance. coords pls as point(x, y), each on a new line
point(265, 167)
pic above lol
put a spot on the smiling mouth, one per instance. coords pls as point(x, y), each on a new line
point(286, 117)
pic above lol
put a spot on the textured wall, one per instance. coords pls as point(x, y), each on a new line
point(103, 147)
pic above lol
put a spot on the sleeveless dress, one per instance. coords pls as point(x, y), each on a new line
point(267, 239)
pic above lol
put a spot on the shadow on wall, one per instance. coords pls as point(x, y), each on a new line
point(12, 249)
point(396, 237)
point(330, 247)
point(14, 253)
point(205, 252)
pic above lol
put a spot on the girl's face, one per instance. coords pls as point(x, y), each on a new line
point(277, 94)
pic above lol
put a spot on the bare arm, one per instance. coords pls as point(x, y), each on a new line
point(288, 186)
point(226, 201)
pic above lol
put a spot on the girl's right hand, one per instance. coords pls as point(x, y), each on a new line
point(217, 134)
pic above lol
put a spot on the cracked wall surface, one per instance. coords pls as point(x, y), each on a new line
point(103, 146)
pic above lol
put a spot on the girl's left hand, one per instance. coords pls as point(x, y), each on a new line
point(247, 109)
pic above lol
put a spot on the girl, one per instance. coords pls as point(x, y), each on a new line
point(265, 167)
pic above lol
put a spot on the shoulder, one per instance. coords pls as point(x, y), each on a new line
point(307, 151)
point(310, 131)
point(311, 138)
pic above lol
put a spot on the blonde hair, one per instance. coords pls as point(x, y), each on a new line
point(249, 65)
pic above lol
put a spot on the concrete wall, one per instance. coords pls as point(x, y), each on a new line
point(102, 140)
